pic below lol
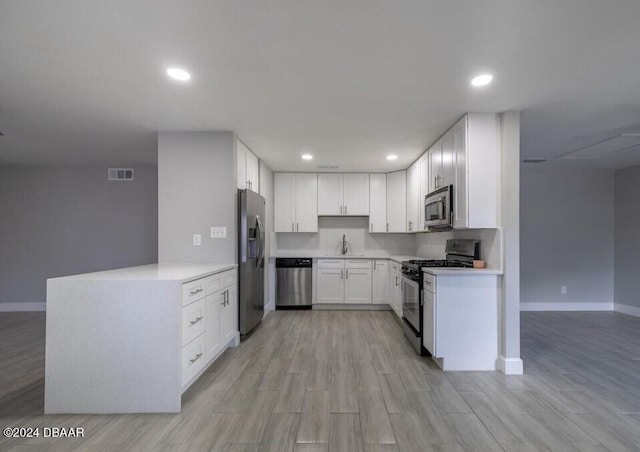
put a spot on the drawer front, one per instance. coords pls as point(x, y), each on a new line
point(330, 263)
point(358, 263)
point(429, 282)
point(220, 280)
point(193, 291)
point(193, 359)
point(193, 321)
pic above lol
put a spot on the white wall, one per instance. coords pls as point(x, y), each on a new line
point(567, 237)
point(329, 237)
point(57, 221)
point(627, 240)
point(196, 190)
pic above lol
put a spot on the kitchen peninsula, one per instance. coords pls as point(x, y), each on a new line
point(132, 340)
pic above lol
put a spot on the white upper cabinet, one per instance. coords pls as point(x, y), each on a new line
point(248, 168)
point(396, 201)
point(356, 194)
point(306, 202)
point(448, 161)
point(296, 202)
point(424, 188)
point(378, 203)
point(435, 165)
point(413, 197)
point(477, 171)
point(285, 202)
point(343, 194)
point(330, 194)
point(460, 211)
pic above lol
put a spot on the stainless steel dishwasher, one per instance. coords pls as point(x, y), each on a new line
point(294, 278)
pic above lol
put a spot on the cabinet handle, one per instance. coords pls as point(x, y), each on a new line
point(193, 322)
point(347, 272)
point(198, 356)
point(226, 297)
point(198, 290)
point(345, 210)
point(370, 227)
point(292, 230)
point(387, 227)
point(410, 225)
point(297, 227)
point(341, 274)
point(374, 265)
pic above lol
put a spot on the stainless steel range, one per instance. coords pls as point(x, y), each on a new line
point(460, 253)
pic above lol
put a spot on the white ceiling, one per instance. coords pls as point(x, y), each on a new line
point(83, 83)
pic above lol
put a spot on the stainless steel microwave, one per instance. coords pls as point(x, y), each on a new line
point(438, 208)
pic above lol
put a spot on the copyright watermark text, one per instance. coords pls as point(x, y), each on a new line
point(45, 432)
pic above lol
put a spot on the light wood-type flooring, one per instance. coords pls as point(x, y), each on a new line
point(316, 381)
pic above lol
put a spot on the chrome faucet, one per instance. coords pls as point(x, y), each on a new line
point(345, 245)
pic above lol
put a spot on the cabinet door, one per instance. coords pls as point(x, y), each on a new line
point(213, 303)
point(460, 211)
point(397, 201)
point(284, 202)
point(306, 202)
point(424, 187)
point(357, 286)
point(378, 203)
point(429, 322)
point(242, 164)
point(396, 292)
point(330, 194)
point(413, 197)
point(253, 172)
point(356, 194)
point(330, 287)
point(448, 160)
point(435, 166)
point(229, 316)
point(380, 283)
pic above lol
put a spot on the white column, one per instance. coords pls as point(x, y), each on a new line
point(509, 360)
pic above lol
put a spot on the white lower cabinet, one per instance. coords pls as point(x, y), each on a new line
point(380, 282)
point(209, 321)
point(460, 320)
point(395, 287)
point(357, 285)
point(341, 281)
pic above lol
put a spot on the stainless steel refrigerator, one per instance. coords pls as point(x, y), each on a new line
point(251, 242)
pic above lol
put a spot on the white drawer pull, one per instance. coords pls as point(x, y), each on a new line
point(198, 356)
point(198, 290)
point(193, 322)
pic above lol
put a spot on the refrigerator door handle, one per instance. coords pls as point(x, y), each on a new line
point(260, 237)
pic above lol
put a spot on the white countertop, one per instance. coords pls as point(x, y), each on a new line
point(461, 271)
point(396, 258)
point(315, 255)
point(154, 272)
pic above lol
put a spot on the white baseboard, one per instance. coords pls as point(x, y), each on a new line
point(22, 307)
point(566, 306)
point(510, 366)
point(626, 309)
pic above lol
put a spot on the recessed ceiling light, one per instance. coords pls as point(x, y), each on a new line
point(482, 80)
point(178, 74)
point(392, 157)
point(307, 157)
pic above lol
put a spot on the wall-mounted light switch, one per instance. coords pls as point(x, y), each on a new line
point(197, 239)
point(219, 232)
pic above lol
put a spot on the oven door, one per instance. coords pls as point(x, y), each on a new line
point(411, 303)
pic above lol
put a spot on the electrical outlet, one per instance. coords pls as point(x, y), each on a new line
point(563, 290)
point(197, 239)
point(219, 232)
